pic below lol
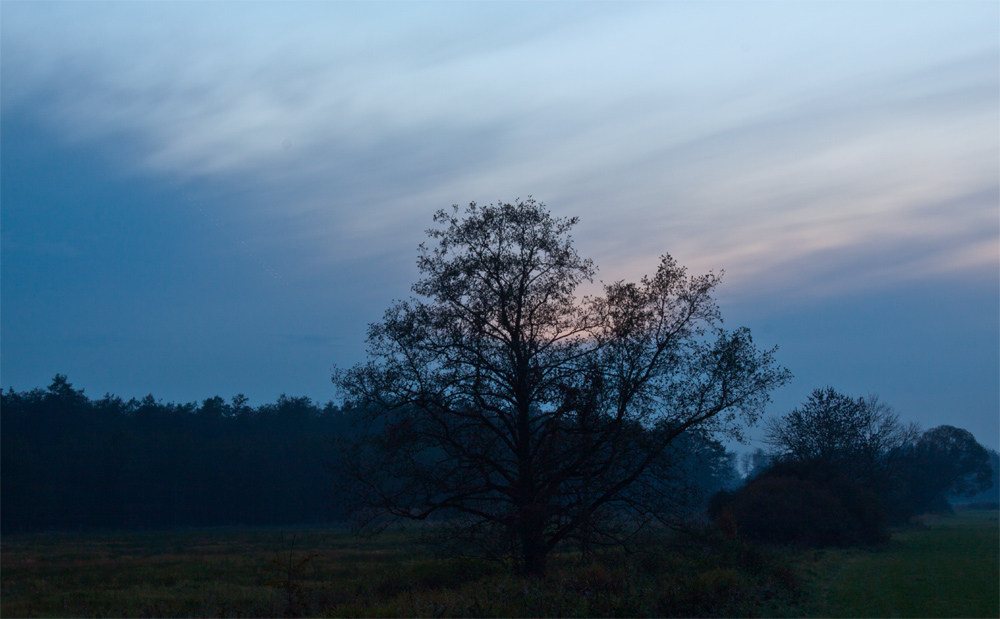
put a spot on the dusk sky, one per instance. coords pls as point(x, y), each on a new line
point(206, 199)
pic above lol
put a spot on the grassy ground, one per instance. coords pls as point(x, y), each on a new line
point(200, 573)
point(947, 568)
point(234, 573)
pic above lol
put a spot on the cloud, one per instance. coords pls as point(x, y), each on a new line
point(892, 164)
point(752, 139)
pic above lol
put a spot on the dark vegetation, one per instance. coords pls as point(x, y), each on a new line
point(806, 502)
point(70, 462)
point(842, 468)
point(991, 495)
point(944, 463)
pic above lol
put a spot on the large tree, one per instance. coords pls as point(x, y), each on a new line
point(499, 399)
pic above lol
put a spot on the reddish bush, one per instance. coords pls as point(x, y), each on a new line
point(803, 503)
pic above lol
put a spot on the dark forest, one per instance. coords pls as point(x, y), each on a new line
point(70, 462)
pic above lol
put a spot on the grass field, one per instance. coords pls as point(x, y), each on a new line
point(949, 567)
point(201, 573)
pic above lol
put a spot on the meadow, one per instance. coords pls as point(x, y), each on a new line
point(946, 566)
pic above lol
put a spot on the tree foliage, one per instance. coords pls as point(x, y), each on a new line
point(992, 493)
point(499, 398)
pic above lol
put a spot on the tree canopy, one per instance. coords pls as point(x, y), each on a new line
point(499, 398)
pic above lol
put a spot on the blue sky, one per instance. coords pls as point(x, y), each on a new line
point(213, 198)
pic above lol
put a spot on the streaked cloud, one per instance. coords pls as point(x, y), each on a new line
point(766, 139)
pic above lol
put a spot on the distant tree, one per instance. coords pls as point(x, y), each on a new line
point(240, 407)
point(295, 407)
point(61, 393)
point(991, 494)
point(944, 462)
point(214, 407)
point(710, 466)
point(676, 486)
point(499, 398)
point(754, 463)
point(859, 436)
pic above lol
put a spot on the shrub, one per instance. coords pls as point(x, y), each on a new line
point(804, 503)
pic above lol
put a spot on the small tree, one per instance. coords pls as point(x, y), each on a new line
point(859, 436)
point(499, 399)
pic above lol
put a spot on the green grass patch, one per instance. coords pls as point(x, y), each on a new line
point(947, 566)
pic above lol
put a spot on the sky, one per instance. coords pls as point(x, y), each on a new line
point(212, 198)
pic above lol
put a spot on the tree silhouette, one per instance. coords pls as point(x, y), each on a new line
point(499, 399)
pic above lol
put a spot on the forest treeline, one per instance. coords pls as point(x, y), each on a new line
point(69, 462)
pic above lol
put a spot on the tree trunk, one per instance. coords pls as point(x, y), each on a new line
point(533, 550)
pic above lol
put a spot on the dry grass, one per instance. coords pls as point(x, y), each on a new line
point(948, 567)
point(233, 573)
